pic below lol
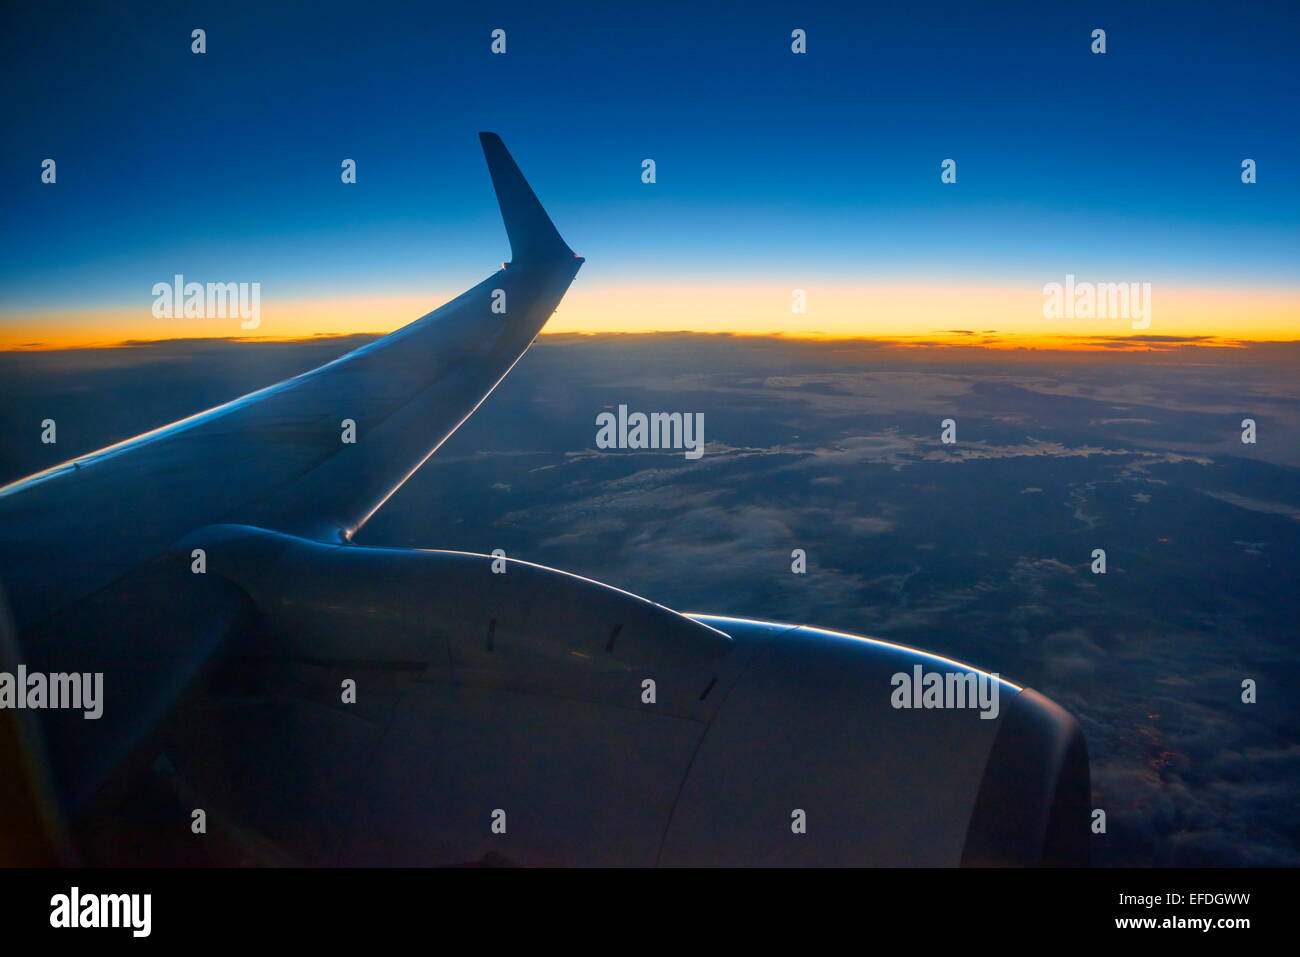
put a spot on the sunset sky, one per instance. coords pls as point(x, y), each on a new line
point(775, 171)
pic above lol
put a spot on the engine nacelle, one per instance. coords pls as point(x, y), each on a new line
point(527, 716)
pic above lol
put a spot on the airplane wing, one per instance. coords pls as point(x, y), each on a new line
point(314, 455)
point(277, 457)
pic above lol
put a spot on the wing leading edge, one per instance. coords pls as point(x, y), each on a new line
point(276, 458)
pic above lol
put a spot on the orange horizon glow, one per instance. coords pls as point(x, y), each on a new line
point(990, 317)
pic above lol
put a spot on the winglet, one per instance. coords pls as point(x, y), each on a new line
point(533, 236)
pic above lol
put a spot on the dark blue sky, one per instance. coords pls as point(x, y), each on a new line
point(228, 163)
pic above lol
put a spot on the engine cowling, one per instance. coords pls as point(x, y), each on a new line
point(507, 713)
